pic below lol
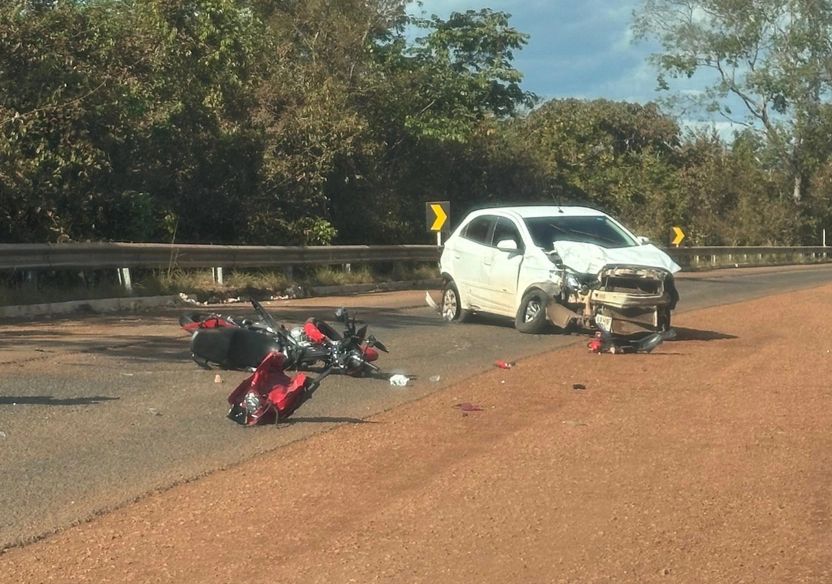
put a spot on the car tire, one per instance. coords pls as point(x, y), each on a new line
point(531, 315)
point(451, 306)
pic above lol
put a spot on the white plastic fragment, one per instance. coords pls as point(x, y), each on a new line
point(399, 380)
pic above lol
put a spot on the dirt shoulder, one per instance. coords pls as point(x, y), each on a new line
point(709, 460)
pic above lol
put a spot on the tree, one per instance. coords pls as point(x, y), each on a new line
point(772, 56)
point(614, 155)
point(461, 71)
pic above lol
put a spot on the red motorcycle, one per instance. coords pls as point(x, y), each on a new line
point(244, 344)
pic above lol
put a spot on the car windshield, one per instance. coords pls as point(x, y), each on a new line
point(596, 229)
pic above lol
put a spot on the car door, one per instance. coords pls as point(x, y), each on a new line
point(470, 250)
point(501, 268)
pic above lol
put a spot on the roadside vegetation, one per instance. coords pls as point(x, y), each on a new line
point(200, 284)
point(315, 122)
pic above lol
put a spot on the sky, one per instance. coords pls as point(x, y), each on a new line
point(577, 48)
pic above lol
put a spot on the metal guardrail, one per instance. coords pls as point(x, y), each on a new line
point(747, 256)
point(93, 256)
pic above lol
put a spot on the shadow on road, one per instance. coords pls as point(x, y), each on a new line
point(48, 400)
point(326, 420)
point(687, 334)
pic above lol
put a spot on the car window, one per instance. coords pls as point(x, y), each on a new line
point(479, 229)
point(506, 229)
point(596, 229)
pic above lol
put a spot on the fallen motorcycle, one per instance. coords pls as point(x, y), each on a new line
point(315, 345)
point(604, 342)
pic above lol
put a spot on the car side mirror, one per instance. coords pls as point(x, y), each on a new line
point(507, 245)
point(642, 240)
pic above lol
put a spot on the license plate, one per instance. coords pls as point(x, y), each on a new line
point(604, 322)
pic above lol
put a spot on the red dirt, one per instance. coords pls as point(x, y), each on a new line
point(709, 460)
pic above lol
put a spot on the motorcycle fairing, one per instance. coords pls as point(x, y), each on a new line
point(191, 321)
point(268, 395)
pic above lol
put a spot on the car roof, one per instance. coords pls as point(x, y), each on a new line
point(543, 211)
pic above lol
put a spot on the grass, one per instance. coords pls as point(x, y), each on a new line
point(17, 288)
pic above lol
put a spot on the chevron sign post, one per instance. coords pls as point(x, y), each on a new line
point(437, 214)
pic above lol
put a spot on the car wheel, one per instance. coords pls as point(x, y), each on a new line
point(531, 316)
point(451, 307)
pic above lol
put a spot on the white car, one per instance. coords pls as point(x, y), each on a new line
point(571, 266)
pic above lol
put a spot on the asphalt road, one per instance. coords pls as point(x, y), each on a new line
point(97, 411)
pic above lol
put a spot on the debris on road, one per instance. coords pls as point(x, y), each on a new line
point(505, 364)
point(468, 407)
point(578, 386)
point(399, 380)
point(2, 435)
point(190, 300)
point(154, 412)
point(435, 378)
point(431, 302)
point(217, 378)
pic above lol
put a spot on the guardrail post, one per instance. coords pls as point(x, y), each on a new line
point(124, 279)
point(348, 268)
point(217, 274)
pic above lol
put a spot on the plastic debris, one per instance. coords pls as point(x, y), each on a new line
point(435, 378)
point(189, 300)
point(504, 364)
point(154, 412)
point(2, 435)
point(578, 386)
point(399, 380)
point(431, 302)
point(468, 407)
point(217, 378)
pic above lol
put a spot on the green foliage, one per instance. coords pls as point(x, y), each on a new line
point(614, 155)
point(769, 56)
point(460, 72)
point(310, 122)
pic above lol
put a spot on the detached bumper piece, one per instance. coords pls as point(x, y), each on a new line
point(631, 298)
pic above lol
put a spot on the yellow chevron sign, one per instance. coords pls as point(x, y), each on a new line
point(678, 236)
point(437, 213)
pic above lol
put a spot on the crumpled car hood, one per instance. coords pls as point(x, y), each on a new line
point(588, 258)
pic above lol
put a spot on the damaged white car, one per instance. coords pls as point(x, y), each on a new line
point(571, 266)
